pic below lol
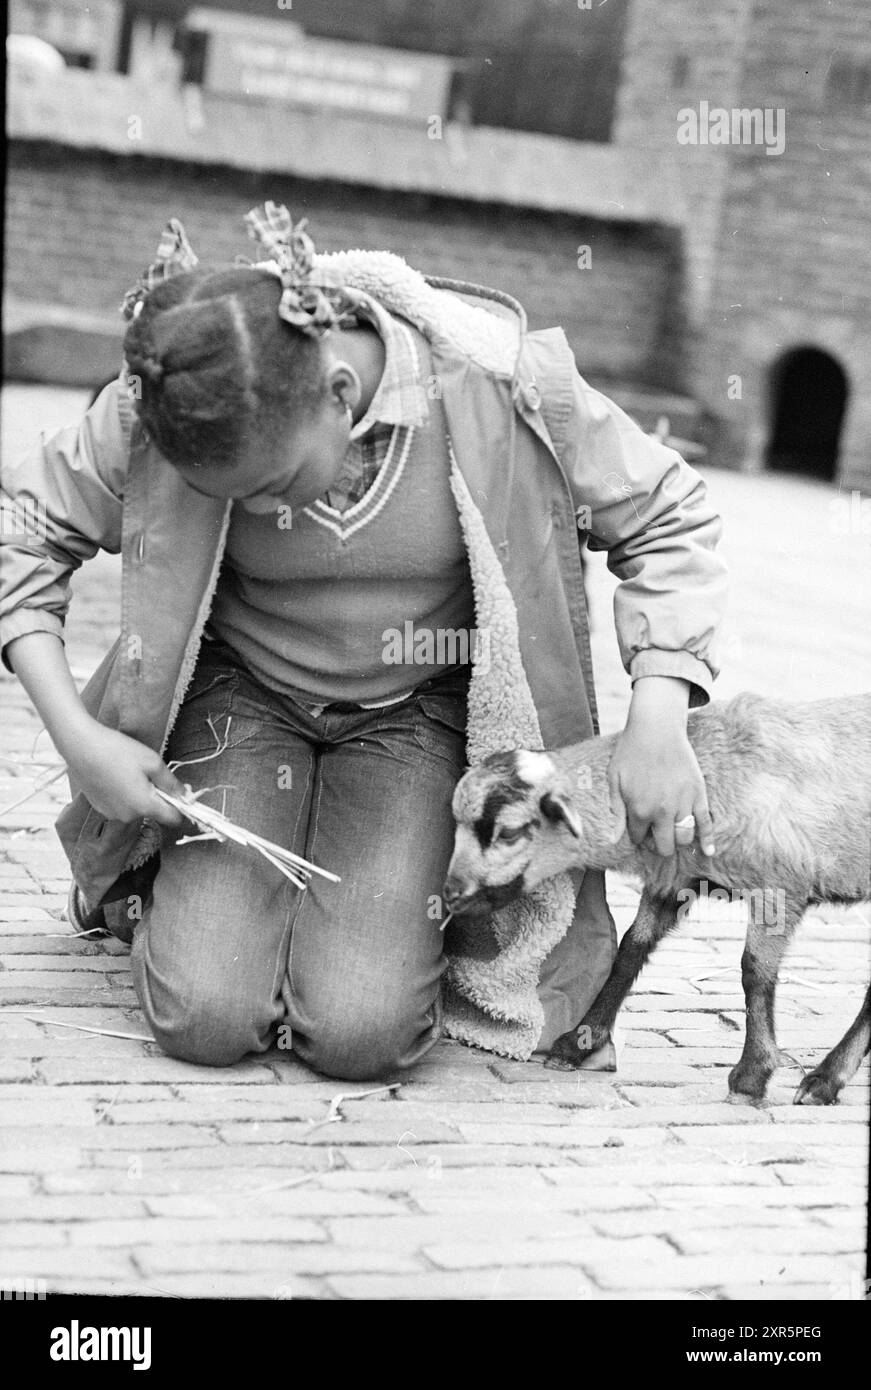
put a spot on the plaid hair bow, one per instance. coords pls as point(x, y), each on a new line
point(175, 255)
point(312, 306)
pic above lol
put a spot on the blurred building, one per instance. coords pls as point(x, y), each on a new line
point(572, 153)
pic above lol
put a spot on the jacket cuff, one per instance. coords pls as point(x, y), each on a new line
point(24, 620)
point(655, 662)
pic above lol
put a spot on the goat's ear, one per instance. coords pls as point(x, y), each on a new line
point(556, 809)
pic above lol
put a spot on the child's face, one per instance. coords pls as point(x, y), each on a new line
point(309, 466)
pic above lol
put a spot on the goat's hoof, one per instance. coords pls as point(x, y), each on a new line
point(575, 1046)
point(747, 1087)
point(740, 1098)
point(560, 1064)
point(817, 1088)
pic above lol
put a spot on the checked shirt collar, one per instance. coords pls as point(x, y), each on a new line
point(400, 398)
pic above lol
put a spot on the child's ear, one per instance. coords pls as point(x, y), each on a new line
point(344, 384)
point(558, 810)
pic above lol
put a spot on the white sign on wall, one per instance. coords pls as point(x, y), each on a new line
point(293, 67)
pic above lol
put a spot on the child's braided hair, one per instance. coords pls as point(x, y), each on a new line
point(224, 361)
point(217, 371)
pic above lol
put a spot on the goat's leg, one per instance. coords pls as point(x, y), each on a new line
point(763, 952)
point(654, 918)
point(823, 1085)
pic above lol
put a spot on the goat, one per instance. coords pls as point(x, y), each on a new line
point(789, 789)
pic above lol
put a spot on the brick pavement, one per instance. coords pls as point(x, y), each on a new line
point(122, 1170)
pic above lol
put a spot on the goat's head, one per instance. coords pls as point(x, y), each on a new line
point(516, 826)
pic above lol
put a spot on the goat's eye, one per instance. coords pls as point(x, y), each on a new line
point(510, 837)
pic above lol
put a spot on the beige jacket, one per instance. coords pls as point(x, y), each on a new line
point(536, 452)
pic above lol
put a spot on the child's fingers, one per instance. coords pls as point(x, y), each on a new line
point(663, 834)
point(704, 824)
point(164, 813)
point(618, 809)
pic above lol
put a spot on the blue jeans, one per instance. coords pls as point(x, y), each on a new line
point(228, 950)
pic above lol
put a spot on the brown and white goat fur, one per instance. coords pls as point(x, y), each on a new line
point(789, 789)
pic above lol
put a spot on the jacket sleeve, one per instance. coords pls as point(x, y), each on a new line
point(61, 503)
point(649, 510)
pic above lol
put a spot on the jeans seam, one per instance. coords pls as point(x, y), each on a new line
point(310, 852)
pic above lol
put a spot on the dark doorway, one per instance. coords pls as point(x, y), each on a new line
point(808, 397)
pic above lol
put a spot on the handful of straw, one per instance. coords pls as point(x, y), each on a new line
point(217, 826)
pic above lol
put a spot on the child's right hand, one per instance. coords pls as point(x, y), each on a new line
point(118, 776)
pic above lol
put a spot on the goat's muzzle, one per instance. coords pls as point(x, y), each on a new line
point(472, 900)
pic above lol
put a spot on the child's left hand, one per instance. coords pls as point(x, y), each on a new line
point(654, 773)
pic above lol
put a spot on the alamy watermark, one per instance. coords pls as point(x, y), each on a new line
point(22, 1287)
point(27, 520)
point(715, 125)
point(444, 646)
point(767, 905)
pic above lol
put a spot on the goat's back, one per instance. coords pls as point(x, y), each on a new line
point(789, 786)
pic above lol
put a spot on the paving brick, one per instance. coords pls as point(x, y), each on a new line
point(826, 1180)
point(341, 1134)
point(89, 1049)
point(264, 1103)
point(750, 1239)
point(241, 1284)
point(851, 1136)
point(58, 1072)
point(556, 1282)
point(52, 1157)
point(306, 1201)
point(34, 1109)
point(15, 1069)
point(17, 1185)
point(58, 966)
point(79, 1208)
point(590, 1202)
point(571, 1135)
point(482, 1156)
point(31, 1235)
point(675, 1221)
point(165, 1231)
point(427, 1177)
point(514, 1073)
point(713, 1271)
point(413, 1232)
point(682, 1173)
point(786, 1293)
point(159, 1175)
point(14, 1026)
point(99, 1137)
point(209, 1154)
point(415, 1116)
point(766, 1197)
point(78, 1263)
point(285, 1260)
point(320, 1091)
point(582, 1250)
point(47, 926)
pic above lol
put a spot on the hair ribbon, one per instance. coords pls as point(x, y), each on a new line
point(313, 306)
point(175, 255)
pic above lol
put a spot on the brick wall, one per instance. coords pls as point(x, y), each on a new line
point(674, 55)
point(81, 226)
point(778, 251)
point(794, 249)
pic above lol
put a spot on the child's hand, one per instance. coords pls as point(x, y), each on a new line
point(654, 774)
point(118, 776)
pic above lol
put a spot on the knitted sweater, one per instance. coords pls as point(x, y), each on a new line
point(320, 610)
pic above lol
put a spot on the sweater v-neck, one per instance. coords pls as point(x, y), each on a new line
point(344, 524)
